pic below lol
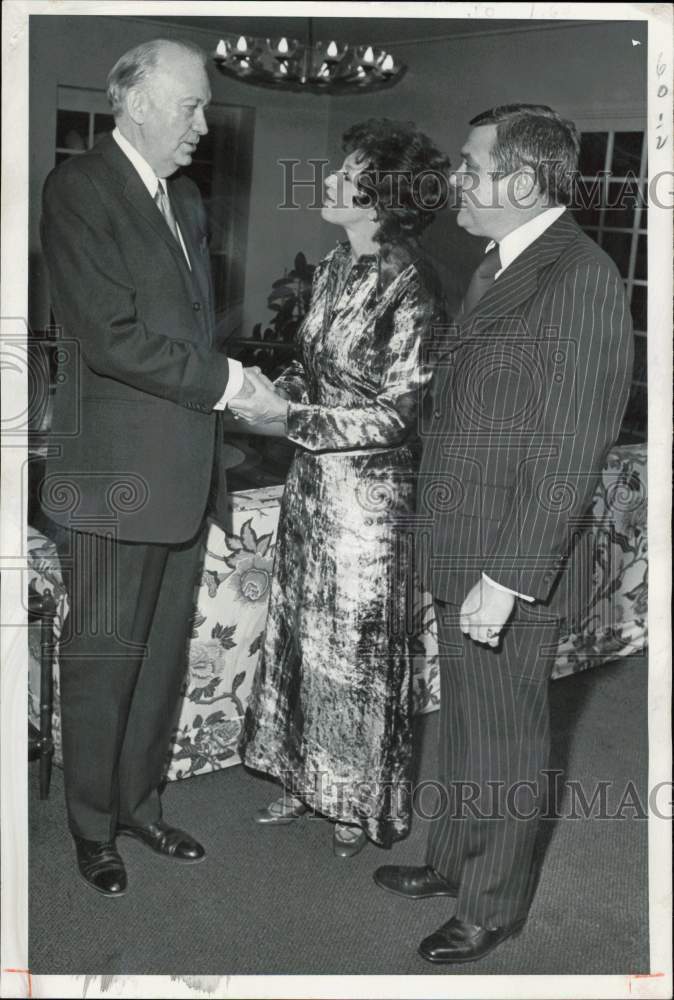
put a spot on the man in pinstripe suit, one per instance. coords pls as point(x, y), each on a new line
point(529, 393)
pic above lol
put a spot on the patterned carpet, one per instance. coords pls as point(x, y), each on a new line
point(277, 901)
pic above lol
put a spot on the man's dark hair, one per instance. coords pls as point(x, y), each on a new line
point(533, 135)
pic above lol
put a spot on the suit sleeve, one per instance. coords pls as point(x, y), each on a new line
point(94, 296)
point(582, 412)
point(388, 417)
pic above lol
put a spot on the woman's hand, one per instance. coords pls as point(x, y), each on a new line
point(260, 403)
point(265, 381)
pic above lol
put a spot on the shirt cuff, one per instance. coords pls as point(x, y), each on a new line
point(507, 590)
point(234, 383)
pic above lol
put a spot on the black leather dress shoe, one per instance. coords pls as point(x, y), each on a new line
point(457, 941)
point(418, 882)
point(166, 840)
point(101, 866)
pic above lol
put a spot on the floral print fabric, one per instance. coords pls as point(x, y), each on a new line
point(231, 610)
point(614, 621)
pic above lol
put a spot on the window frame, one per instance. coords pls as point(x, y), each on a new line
point(636, 230)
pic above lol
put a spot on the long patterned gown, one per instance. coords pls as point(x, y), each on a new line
point(330, 710)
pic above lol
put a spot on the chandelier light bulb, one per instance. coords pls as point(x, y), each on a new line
point(326, 67)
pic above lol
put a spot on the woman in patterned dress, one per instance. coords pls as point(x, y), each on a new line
point(330, 711)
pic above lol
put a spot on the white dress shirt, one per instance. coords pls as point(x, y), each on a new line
point(516, 242)
point(152, 182)
point(510, 247)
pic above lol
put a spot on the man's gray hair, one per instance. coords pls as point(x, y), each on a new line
point(136, 64)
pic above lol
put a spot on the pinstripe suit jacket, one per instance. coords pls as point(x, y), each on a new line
point(528, 395)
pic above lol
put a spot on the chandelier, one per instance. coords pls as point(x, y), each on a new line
point(322, 67)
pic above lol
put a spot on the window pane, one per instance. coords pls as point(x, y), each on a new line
point(622, 198)
point(617, 245)
point(627, 153)
point(639, 307)
point(587, 196)
point(640, 373)
point(592, 152)
point(102, 125)
point(72, 129)
point(641, 269)
point(636, 416)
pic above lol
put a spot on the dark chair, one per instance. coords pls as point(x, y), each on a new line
point(42, 608)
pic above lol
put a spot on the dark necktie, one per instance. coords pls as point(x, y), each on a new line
point(482, 279)
point(164, 205)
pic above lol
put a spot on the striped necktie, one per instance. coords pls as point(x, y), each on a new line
point(164, 205)
point(482, 279)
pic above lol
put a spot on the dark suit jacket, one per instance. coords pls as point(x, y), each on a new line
point(133, 421)
point(528, 396)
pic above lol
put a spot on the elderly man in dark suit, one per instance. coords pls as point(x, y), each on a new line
point(528, 397)
point(135, 445)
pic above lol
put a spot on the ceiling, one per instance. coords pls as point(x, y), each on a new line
point(355, 29)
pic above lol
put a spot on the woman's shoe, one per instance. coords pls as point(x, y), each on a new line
point(285, 809)
point(347, 841)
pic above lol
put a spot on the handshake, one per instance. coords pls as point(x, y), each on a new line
point(258, 407)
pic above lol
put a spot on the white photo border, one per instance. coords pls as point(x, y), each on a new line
point(16, 979)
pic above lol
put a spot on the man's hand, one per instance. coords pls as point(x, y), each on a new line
point(485, 612)
point(248, 387)
point(258, 402)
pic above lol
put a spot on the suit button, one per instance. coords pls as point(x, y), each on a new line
point(196, 306)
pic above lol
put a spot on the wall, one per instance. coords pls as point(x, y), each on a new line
point(591, 73)
point(79, 51)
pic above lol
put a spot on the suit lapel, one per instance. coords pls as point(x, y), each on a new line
point(199, 259)
point(521, 279)
point(186, 224)
point(136, 193)
point(139, 198)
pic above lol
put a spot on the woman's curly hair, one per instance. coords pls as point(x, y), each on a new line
point(406, 177)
